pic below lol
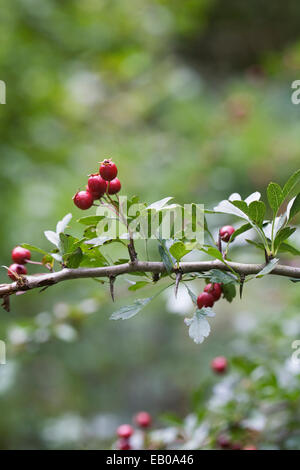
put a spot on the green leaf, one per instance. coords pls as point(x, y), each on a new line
point(191, 294)
point(67, 243)
point(165, 256)
point(282, 235)
point(291, 183)
point(199, 327)
point(34, 248)
point(275, 196)
point(229, 291)
point(242, 205)
point(221, 277)
point(257, 210)
point(158, 205)
point(214, 252)
point(268, 268)
point(239, 231)
point(72, 260)
point(295, 207)
point(256, 244)
point(130, 310)
point(138, 285)
point(91, 220)
point(287, 248)
point(178, 250)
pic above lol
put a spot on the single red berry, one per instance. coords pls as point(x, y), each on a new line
point(236, 446)
point(97, 186)
point(124, 444)
point(250, 447)
point(205, 300)
point(83, 200)
point(16, 268)
point(214, 289)
point(223, 442)
point(219, 364)
point(20, 255)
point(226, 232)
point(125, 431)
point(143, 419)
point(114, 186)
point(108, 170)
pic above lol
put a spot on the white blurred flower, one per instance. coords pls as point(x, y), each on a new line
point(89, 306)
point(182, 304)
point(61, 310)
point(68, 428)
point(43, 319)
point(65, 332)
point(8, 374)
point(257, 422)
point(18, 335)
point(164, 436)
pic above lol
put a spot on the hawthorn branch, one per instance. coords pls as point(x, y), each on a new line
point(154, 267)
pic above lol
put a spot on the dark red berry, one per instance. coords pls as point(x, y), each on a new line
point(214, 289)
point(125, 431)
point(226, 232)
point(83, 200)
point(219, 364)
point(236, 446)
point(114, 186)
point(250, 447)
point(97, 186)
point(143, 419)
point(205, 300)
point(223, 442)
point(108, 170)
point(16, 268)
point(124, 444)
point(20, 255)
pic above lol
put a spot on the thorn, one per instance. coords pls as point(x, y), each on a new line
point(220, 244)
point(242, 280)
point(111, 287)
point(155, 277)
point(178, 279)
point(6, 303)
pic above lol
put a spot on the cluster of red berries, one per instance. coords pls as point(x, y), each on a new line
point(99, 184)
point(20, 257)
point(225, 443)
point(213, 292)
point(124, 432)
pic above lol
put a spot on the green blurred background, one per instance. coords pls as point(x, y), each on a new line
point(192, 99)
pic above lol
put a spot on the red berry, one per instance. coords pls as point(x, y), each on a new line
point(236, 446)
point(123, 444)
point(250, 447)
point(226, 232)
point(214, 289)
point(108, 170)
point(223, 442)
point(143, 419)
point(114, 186)
point(125, 431)
point(97, 186)
point(219, 364)
point(16, 268)
point(205, 300)
point(83, 199)
point(20, 255)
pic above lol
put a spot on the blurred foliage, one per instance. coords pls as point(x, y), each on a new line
point(137, 81)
